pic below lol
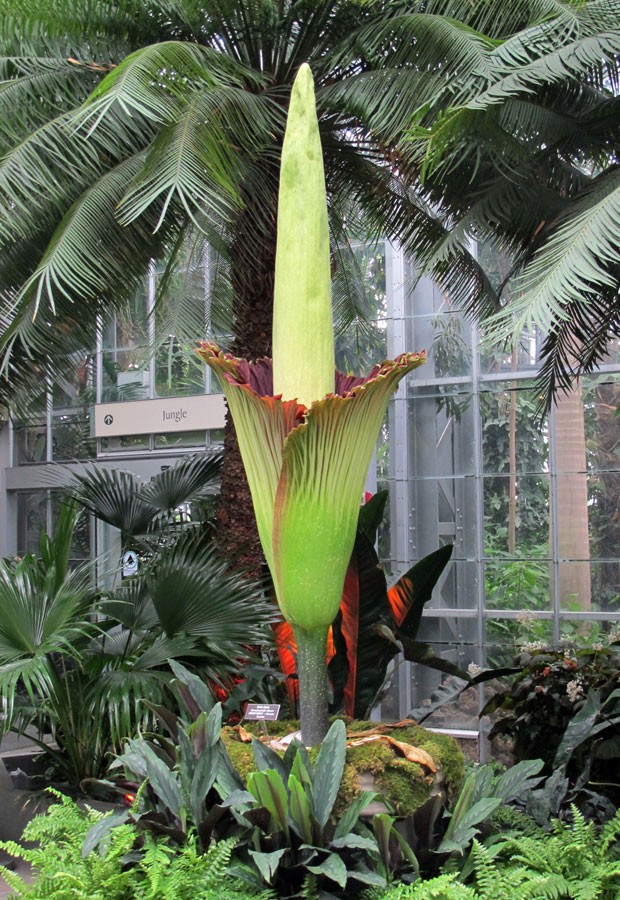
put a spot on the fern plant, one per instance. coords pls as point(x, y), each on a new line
point(66, 869)
point(577, 861)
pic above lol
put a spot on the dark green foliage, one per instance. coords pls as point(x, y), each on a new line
point(293, 843)
point(575, 862)
point(565, 703)
point(185, 769)
point(283, 824)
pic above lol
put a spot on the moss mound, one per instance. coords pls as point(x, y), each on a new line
point(404, 784)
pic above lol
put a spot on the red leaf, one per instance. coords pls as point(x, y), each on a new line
point(399, 598)
point(350, 609)
point(287, 654)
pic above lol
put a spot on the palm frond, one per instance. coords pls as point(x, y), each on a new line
point(130, 606)
point(195, 593)
point(189, 164)
point(192, 477)
point(112, 495)
point(150, 81)
point(580, 257)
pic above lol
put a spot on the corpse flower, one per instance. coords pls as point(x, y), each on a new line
point(306, 433)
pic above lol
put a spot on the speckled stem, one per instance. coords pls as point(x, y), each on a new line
point(312, 674)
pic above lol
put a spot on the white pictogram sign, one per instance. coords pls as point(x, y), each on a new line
point(130, 563)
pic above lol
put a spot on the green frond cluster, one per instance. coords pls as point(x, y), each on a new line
point(160, 871)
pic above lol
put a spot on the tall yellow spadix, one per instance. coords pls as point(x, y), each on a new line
point(303, 331)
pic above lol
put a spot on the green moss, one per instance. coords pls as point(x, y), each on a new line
point(405, 784)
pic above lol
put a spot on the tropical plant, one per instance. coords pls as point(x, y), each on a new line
point(54, 848)
point(295, 845)
point(183, 768)
point(283, 824)
point(80, 665)
point(521, 147)
point(575, 862)
point(373, 624)
point(565, 703)
point(147, 514)
point(306, 436)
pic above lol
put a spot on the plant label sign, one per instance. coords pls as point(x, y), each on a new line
point(264, 712)
point(130, 563)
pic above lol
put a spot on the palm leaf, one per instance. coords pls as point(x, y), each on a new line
point(195, 593)
point(112, 495)
point(578, 259)
point(192, 477)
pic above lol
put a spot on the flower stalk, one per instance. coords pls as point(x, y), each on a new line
point(306, 433)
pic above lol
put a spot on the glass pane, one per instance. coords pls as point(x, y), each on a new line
point(516, 516)
point(129, 328)
point(440, 432)
point(78, 390)
point(513, 439)
point(575, 586)
point(447, 340)
point(127, 442)
point(601, 398)
point(125, 375)
point(71, 438)
point(446, 513)
point(518, 584)
point(180, 439)
point(31, 520)
point(178, 371)
point(584, 634)
point(30, 444)
point(523, 358)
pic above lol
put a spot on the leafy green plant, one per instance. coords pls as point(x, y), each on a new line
point(78, 665)
point(127, 865)
point(565, 703)
point(184, 769)
point(294, 844)
point(287, 837)
point(576, 861)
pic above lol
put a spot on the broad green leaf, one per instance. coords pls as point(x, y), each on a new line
point(328, 771)
point(267, 863)
point(333, 867)
point(518, 779)
point(202, 781)
point(198, 689)
point(300, 810)
point(578, 729)
point(101, 830)
point(467, 826)
point(266, 758)
point(163, 781)
point(271, 793)
point(349, 818)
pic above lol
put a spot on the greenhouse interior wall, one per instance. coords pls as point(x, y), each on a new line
point(531, 506)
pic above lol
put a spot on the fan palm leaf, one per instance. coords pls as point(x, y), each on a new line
point(195, 593)
point(192, 477)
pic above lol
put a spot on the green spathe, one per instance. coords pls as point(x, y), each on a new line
point(303, 333)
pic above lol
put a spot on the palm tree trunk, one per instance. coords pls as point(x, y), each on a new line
point(253, 264)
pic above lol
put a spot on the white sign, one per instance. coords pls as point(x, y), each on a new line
point(198, 413)
point(130, 563)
